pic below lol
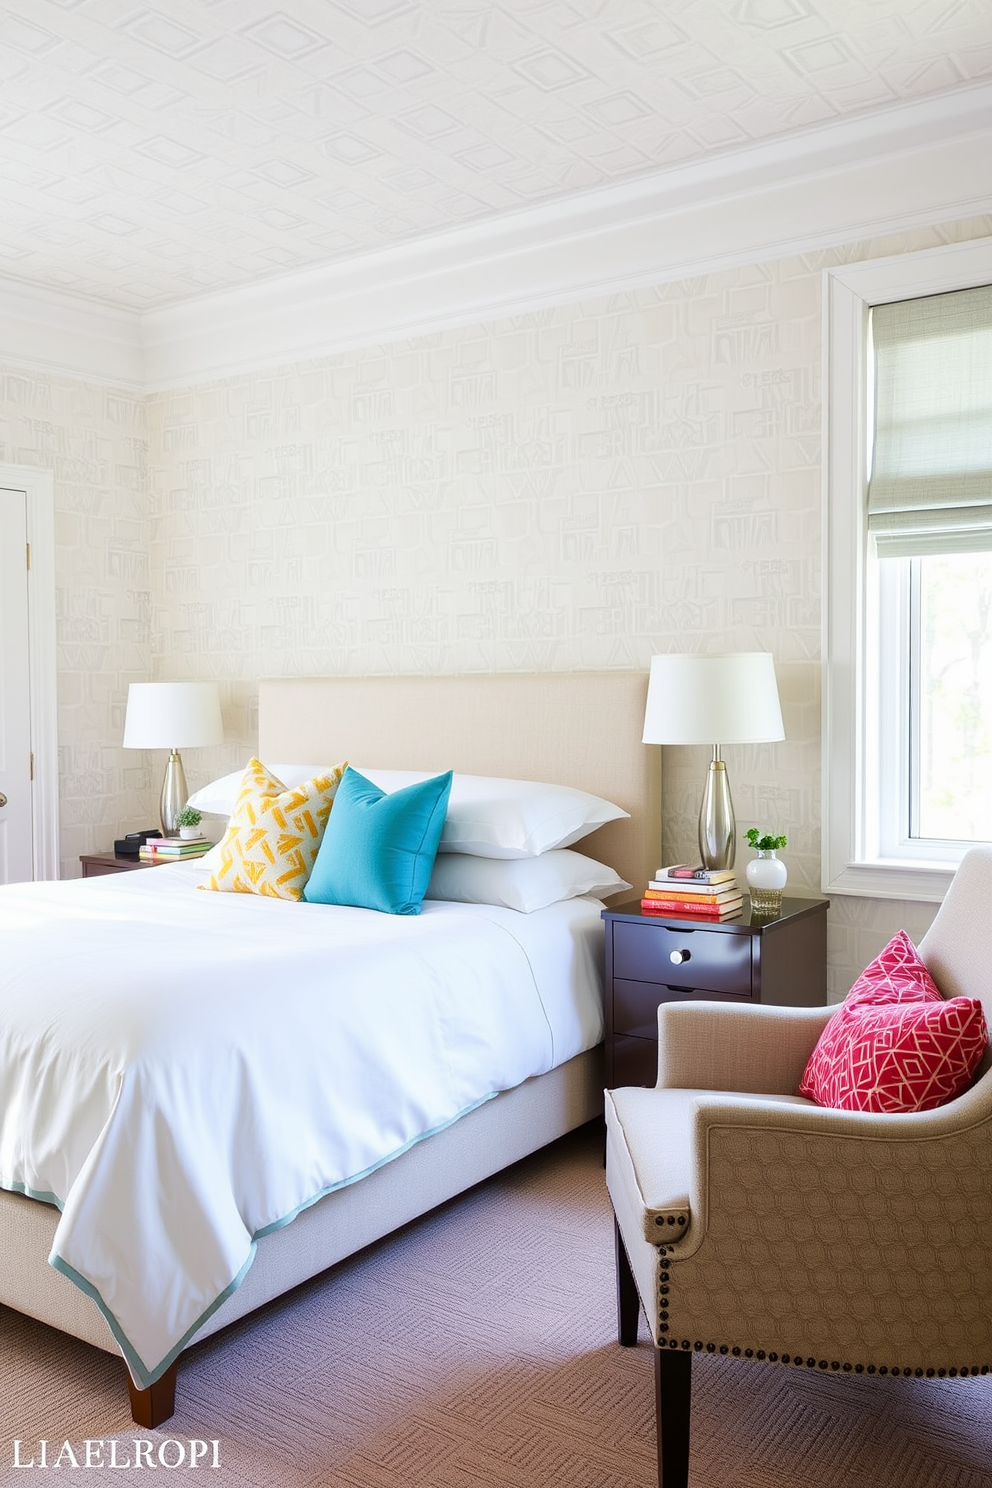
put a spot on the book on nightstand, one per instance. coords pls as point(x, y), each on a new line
point(175, 847)
point(692, 877)
point(724, 909)
point(704, 896)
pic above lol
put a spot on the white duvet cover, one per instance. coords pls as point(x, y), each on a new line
point(183, 1071)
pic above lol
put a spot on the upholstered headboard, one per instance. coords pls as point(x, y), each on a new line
point(572, 728)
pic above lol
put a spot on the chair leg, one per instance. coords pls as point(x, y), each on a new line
point(628, 1302)
point(672, 1395)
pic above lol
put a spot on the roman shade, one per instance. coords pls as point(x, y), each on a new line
point(930, 489)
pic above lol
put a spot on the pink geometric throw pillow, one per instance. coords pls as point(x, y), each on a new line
point(896, 975)
point(895, 1044)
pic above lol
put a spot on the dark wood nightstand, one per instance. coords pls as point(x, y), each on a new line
point(661, 958)
point(96, 864)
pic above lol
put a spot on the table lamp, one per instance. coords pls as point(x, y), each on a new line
point(701, 699)
point(173, 716)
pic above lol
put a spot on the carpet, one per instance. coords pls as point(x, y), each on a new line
point(477, 1349)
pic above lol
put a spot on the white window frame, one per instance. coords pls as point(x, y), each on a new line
point(852, 859)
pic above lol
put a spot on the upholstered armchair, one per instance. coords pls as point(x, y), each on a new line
point(754, 1223)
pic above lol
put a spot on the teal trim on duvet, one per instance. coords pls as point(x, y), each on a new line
point(30, 1193)
point(144, 1376)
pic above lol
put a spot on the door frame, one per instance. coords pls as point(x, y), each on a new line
point(38, 484)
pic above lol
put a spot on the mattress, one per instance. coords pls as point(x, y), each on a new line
point(183, 1072)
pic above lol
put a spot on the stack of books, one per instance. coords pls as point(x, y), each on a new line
point(691, 889)
point(169, 849)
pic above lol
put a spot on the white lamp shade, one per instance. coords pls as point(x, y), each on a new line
point(172, 715)
point(712, 699)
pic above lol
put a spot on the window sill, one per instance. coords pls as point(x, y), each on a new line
point(890, 878)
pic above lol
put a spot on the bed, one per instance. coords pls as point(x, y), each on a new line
point(580, 729)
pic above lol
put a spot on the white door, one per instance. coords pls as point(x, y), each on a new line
point(16, 832)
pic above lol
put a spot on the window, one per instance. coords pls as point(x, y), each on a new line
point(951, 686)
point(908, 679)
point(933, 736)
point(929, 563)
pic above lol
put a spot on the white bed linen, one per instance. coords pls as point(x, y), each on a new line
point(183, 1071)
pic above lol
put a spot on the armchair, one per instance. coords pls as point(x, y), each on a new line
point(751, 1222)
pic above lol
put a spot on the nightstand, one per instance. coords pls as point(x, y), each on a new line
point(97, 864)
point(660, 958)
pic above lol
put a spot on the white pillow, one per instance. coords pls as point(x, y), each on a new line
point(521, 883)
point(218, 798)
point(488, 817)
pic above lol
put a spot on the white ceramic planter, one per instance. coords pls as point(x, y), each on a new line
point(188, 833)
point(766, 877)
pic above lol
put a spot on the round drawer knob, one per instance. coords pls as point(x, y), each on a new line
point(678, 958)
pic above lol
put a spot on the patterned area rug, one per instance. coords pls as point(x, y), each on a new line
point(477, 1350)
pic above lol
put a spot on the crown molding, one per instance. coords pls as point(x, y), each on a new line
point(907, 166)
point(62, 335)
point(889, 171)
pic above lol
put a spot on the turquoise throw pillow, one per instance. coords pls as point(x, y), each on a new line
point(378, 850)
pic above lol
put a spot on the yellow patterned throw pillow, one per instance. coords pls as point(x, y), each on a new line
point(274, 833)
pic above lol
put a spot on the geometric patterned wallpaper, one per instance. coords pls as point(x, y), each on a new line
point(573, 488)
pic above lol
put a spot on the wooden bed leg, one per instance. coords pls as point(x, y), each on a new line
point(673, 1393)
point(628, 1302)
point(149, 1408)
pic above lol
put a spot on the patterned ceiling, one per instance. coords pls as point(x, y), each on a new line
point(155, 152)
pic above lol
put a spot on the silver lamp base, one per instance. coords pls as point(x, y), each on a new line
point(175, 794)
point(717, 827)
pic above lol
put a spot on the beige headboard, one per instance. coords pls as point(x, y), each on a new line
point(574, 728)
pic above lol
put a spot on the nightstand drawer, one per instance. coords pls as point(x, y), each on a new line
point(635, 1004)
point(713, 959)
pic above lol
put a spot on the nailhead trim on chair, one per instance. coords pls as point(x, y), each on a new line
point(796, 1359)
point(663, 1291)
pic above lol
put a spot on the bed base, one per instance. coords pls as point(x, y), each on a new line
point(492, 1137)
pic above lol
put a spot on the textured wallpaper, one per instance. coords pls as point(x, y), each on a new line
point(578, 488)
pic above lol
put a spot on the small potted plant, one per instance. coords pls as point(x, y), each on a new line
point(766, 874)
point(188, 822)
